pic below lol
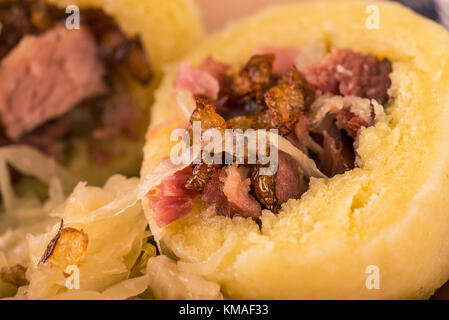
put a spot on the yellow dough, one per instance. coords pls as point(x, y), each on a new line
point(392, 212)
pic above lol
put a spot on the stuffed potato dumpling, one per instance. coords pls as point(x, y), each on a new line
point(385, 90)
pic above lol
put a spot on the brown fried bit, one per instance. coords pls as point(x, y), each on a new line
point(269, 119)
point(40, 16)
point(264, 189)
point(293, 76)
point(255, 77)
point(14, 275)
point(201, 175)
point(136, 62)
point(115, 47)
point(206, 114)
point(287, 100)
point(242, 122)
point(14, 24)
point(68, 247)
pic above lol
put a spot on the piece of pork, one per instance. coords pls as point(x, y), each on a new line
point(45, 76)
point(197, 81)
point(290, 183)
point(349, 73)
point(174, 201)
point(236, 187)
point(285, 58)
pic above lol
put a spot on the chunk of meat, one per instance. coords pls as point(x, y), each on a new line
point(197, 81)
point(213, 194)
point(173, 201)
point(45, 76)
point(338, 156)
point(236, 187)
point(285, 58)
point(290, 184)
point(216, 69)
point(350, 122)
point(352, 113)
point(348, 73)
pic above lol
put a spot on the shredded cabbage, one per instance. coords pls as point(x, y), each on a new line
point(115, 239)
point(167, 281)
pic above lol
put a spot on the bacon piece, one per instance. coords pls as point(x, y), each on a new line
point(236, 187)
point(349, 73)
point(216, 69)
point(45, 76)
point(197, 81)
point(285, 58)
point(174, 201)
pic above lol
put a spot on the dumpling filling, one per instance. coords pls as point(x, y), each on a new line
point(60, 86)
point(319, 107)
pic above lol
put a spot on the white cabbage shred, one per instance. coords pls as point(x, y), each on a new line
point(114, 264)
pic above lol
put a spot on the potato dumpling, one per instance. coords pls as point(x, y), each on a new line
point(388, 216)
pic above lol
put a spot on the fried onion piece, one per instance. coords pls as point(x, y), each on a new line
point(264, 189)
point(14, 275)
point(206, 114)
point(115, 47)
point(242, 122)
point(293, 76)
point(67, 248)
point(255, 77)
point(201, 175)
point(287, 101)
point(270, 119)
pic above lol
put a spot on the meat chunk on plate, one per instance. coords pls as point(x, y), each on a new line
point(45, 76)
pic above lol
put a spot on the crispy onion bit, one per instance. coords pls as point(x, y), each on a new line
point(14, 275)
point(68, 247)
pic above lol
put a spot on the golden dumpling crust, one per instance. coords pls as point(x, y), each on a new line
point(392, 212)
